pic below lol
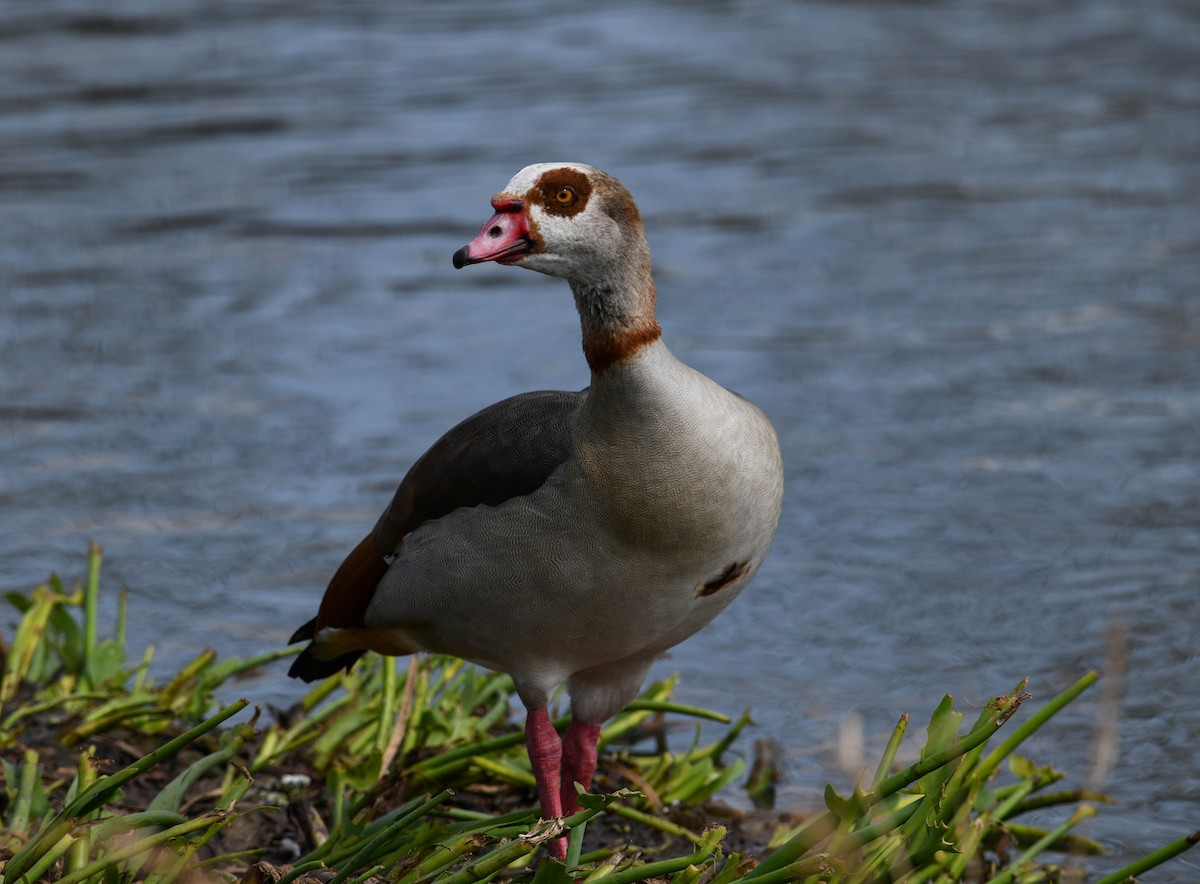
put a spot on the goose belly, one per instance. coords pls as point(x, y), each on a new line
point(535, 586)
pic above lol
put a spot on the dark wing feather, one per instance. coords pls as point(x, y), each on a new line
point(507, 450)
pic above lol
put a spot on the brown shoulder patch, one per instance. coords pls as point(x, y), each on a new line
point(563, 192)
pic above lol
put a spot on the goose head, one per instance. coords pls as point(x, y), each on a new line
point(568, 220)
point(575, 222)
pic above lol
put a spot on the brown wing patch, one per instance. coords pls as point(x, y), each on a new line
point(563, 192)
point(722, 580)
point(352, 587)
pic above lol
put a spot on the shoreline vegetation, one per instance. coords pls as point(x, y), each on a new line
point(417, 773)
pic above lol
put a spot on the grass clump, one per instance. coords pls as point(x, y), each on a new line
point(421, 776)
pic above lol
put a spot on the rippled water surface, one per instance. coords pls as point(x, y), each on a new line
point(951, 248)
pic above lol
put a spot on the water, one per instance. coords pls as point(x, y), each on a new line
point(951, 249)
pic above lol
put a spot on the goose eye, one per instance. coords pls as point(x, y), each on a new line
point(565, 196)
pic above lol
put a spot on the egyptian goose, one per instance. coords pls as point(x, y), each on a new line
point(559, 536)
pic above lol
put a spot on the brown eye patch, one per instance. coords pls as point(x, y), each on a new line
point(563, 192)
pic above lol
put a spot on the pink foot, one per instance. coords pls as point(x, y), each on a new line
point(545, 756)
point(578, 762)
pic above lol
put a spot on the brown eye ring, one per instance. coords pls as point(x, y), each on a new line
point(562, 193)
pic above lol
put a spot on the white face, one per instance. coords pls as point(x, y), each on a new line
point(574, 213)
point(565, 219)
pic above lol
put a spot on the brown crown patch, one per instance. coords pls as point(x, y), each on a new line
point(563, 192)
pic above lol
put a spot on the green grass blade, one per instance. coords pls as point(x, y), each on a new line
point(141, 846)
point(381, 843)
point(889, 752)
point(992, 761)
point(91, 598)
point(1010, 872)
point(1157, 858)
point(37, 871)
point(172, 794)
point(102, 790)
point(705, 851)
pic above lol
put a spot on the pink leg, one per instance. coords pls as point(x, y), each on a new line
point(578, 761)
point(545, 756)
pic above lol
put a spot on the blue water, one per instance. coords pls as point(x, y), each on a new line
point(950, 248)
